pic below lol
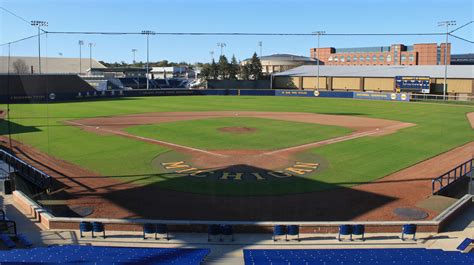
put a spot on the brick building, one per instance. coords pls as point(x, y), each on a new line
point(396, 54)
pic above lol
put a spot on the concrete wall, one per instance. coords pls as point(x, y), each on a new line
point(349, 83)
point(379, 84)
point(455, 86)
point(310, 83)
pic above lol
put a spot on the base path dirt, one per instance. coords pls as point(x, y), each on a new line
point(470, 117)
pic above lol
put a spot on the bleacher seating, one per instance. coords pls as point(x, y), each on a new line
point(466, 245)
point(104, 255)
point(400, 256)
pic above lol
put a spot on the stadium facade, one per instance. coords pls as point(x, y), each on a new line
point(395, 54)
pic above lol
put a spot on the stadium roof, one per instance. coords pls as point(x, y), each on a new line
point(50, 65)
point(436, 71)
point(285, 57)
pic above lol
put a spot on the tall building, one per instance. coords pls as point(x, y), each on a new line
point(396, 54)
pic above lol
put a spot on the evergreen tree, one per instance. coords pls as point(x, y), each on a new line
point(214, 71)
point(223, 67)
point(256, 67)
point(206, 71)
point(234, 68)
point(245, 71)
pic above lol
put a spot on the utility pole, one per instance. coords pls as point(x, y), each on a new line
point(147, 33)
point(318, 33)
point(39, 24)
point(134, 51)
point(447, 24)
point(221, 45)
point(81, 43)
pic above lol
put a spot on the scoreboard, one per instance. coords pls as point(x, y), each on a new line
point(416, 84)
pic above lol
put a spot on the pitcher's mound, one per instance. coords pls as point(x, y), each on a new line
point(237, 129)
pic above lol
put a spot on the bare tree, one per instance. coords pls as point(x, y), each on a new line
point(20, 67)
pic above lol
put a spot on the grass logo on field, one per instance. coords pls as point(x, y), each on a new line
point(316, 93)
point(393, 96)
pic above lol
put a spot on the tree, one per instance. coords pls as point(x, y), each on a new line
point(223, 67)
point(256, 67)
point(20, 67)
point(206, 71)
point(234, 68)
point(214, 71)
point(245, 71)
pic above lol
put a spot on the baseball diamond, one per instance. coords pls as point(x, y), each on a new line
point(246, 157)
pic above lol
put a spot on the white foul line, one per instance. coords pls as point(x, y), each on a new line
point(145, 139)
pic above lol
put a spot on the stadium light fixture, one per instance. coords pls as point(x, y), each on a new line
point(148, 33)
point(133, 52)
point(446, 24)
point(39, 24)
point(221, 45)
point(90, 55)
point(260, 44)
point(81, 43)
point(212, 55)
point(318, 33)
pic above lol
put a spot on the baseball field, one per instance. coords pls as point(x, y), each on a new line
point(242, 147)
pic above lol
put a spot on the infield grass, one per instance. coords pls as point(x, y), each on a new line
point(439, 128)
point(268, 134)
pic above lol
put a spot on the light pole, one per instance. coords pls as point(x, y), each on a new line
point(319, 33)
point(39, 24)
point(447, 24)
point(90, 55)
point(147, 33)
point(212, 55)
point(221, 45)
point(81, 43)
point(134, 51)
point(260, 44)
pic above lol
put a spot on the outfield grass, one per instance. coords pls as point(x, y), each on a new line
point(268, 135)
point(439, 128)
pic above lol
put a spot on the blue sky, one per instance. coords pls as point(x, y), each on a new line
point(290, 16)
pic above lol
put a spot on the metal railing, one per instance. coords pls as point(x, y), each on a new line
point(448, 178)
point(27, 171)
point(440, 98)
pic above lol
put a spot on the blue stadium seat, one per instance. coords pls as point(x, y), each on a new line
point(278, 230)
point(75, 254)
point(345, 230)
point(85, 227)
point(396, 256)
point(465, 244)
point(213, 231)
point(98, 227)
point(409, 229)
point(7, 241)
point(228, 231)
point(359, 230)
point(293, 230)
point(23, 239)
point(149, 229)
point(162, 229)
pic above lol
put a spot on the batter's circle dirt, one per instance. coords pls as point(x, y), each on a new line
point(238, 130)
